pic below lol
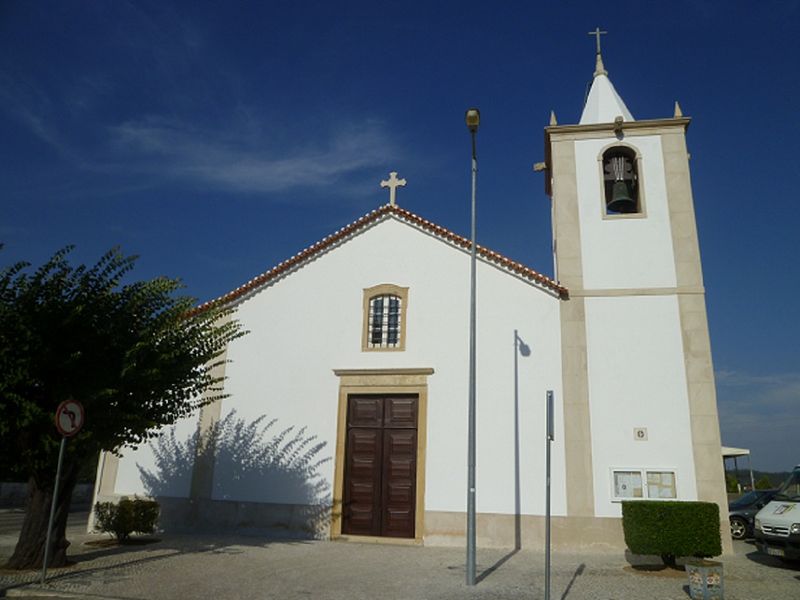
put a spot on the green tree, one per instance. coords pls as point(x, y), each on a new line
point(137, 356)
point(731, 484)
point(764, 483)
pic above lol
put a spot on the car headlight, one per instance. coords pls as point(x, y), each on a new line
point(795, 528)
point(758, 524)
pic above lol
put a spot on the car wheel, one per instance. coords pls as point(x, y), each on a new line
point(738, 528)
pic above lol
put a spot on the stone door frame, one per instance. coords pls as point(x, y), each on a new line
point(388, 382)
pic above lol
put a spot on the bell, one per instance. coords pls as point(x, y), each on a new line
point(622, 200)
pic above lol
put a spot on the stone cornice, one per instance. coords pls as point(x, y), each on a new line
point(593, 130)
point(401, 371)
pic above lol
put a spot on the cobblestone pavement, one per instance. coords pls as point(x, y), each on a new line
point(183, 567)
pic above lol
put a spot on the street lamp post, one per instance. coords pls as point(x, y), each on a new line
point(473, 118)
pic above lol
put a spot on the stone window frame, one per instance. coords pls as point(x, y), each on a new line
point(642, 214)
point(384, 289)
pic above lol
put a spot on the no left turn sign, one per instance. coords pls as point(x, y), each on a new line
point(69, 417)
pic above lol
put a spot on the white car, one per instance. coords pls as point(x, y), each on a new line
point(777, 525)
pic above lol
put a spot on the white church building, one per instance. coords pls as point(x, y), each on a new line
point(346, 415)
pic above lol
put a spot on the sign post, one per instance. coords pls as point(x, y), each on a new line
point(69, 420)
point(550, 437)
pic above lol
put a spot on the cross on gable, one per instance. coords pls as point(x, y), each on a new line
point(393, 183)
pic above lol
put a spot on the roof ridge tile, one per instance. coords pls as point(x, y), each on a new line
point(372, 216)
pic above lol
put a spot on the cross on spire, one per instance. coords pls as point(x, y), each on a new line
point(599, 68)
point(597, 33)
point(393, 183)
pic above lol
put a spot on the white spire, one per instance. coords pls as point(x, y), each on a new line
point(603, 104)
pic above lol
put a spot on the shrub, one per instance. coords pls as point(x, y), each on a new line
point(126, 517)
point(672, 529)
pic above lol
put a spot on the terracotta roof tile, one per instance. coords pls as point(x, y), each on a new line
point(372, 217)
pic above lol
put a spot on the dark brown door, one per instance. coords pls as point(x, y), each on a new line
point(380, 466)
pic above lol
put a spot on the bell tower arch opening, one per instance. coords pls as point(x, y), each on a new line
point(621, 187)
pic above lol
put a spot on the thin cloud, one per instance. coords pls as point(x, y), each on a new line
point(737, 378)
point(237, 156)
point(771, 397)
point(227, 161)
point(760, 412)
point(30, 107)
point(85, 94)
point(193, 136)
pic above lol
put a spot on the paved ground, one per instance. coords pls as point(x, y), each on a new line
point(185, 567)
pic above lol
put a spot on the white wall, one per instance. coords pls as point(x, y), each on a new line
point(637, 378)
point(624, 252)
point(635, 360)
point(129, 481)
point(309, 323)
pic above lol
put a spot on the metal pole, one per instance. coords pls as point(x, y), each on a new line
point(517, 502)
point(471, 427)
point(550, 438)
point(53, 509)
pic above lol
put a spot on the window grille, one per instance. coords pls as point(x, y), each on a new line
point(384, 321)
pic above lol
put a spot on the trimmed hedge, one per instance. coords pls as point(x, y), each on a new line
point(672, 529)
point(126, 517)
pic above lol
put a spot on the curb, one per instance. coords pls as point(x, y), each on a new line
point(43, 591)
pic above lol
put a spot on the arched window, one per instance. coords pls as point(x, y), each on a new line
point(621, 181)
point(384, 317)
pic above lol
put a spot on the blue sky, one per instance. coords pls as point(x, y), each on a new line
point(217, 139)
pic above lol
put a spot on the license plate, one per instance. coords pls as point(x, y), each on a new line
point(774, 551)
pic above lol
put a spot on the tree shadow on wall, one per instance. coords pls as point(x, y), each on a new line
point(241, 476)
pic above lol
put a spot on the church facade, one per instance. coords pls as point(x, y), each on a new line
point(347, 407)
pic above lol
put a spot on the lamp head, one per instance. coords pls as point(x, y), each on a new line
point(473, 119)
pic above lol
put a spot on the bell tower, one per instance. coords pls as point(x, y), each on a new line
point(640, 407)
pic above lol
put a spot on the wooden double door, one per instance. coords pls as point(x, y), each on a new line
point(380, 477)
